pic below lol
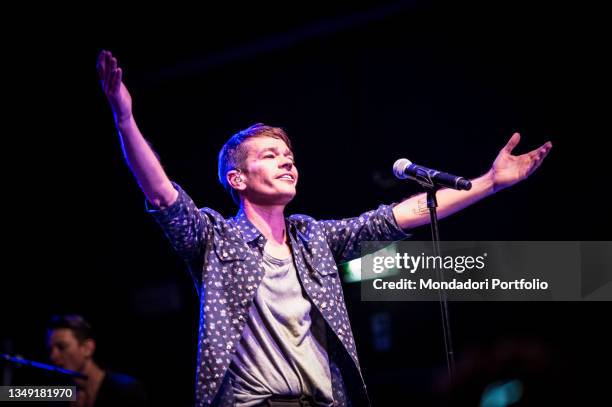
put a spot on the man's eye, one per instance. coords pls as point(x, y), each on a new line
point(269, 156)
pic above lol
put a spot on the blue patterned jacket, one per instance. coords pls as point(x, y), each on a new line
point(224, 257)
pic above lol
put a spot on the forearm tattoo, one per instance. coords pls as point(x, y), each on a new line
point(421, 207)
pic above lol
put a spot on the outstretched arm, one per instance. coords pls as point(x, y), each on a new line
point(507, 170)
point(139, 156)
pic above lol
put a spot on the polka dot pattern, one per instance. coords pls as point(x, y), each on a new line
point(225, 259)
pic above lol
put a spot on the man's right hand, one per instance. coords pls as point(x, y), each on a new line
point(113, 87)
point(140, 157)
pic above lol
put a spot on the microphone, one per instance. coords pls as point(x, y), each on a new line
point(428, 178)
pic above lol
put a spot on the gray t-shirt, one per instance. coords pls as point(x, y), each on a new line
point(283, 348)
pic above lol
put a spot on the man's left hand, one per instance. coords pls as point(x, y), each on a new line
point(509, 169)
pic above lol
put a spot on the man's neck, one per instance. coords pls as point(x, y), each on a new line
point(269, 220)
point(92, 384)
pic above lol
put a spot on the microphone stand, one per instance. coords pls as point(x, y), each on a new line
point(432, 204)
point(41, 366)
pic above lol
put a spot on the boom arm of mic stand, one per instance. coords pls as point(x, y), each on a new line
point(42, 366)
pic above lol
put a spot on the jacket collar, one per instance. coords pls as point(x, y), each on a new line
point(250, 232)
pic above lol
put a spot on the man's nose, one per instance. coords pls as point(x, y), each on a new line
point(286, 164)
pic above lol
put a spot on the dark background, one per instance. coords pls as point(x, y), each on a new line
point(356, 87)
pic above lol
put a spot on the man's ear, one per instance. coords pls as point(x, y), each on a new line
point(90, 347)
point(236, 179)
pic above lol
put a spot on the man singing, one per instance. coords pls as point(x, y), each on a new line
point(274, 329)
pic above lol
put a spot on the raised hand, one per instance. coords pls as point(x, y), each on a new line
point(114, 89)
point(509, 169)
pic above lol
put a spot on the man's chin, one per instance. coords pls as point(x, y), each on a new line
point(276, 199)
point(272, 198)
point(284, 199)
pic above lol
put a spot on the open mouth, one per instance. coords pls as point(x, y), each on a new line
point(287, 177)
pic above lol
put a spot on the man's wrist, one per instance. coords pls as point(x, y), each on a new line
point(124, 122)
point(488, 183)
